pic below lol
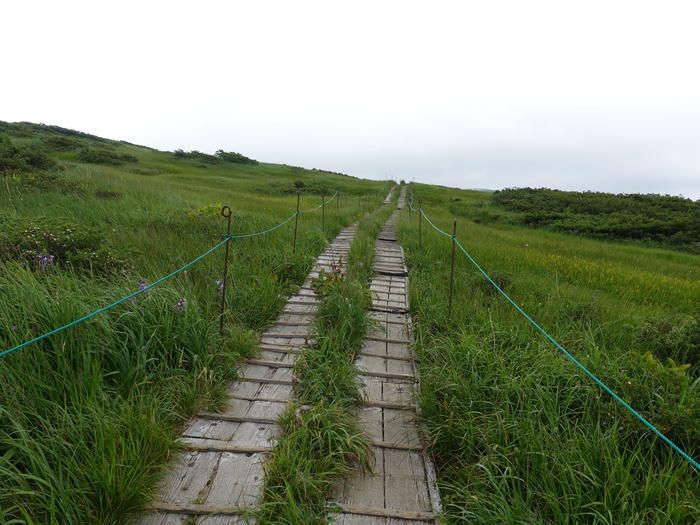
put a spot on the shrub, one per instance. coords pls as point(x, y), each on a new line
point(230, 156)
point(195, 155)
point(47, 181)
point(54, 143)
point(108, 195)
point(673, 221)
point(208, 210)
point(103, 156)
point(678, 340)
point(22, 158)
point(66, 243)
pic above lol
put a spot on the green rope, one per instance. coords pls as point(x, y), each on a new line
point(134, 294)
point(248, 235)
point(590, 374)
point(320, 205)
point(115, 303)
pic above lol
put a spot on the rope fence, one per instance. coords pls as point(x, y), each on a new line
point(534, 323)
point(226, 212)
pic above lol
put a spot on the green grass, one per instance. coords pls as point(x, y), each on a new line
point(322, 442)
point(518, 433)
point(90, 415)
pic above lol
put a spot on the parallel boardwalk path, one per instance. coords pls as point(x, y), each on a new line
point(221, 475)
point(402, 488)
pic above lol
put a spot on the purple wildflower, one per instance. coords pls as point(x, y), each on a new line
point(14, 327)
point(180, 305)
point(220, 285)
point(44, 260)
point(142, 286)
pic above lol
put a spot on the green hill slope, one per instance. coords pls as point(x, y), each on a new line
point(88, 415)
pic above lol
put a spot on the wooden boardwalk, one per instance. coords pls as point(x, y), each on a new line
point(221, 474)
point(402, 488)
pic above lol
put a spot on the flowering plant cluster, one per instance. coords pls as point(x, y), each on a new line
point(44, 260)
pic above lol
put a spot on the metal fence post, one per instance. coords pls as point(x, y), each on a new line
point(452, 269)
point(226, 212)
point(323, 211)
point(420, 224)
point(296, 223)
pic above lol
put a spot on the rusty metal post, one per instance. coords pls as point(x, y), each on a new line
point(296, 224)
point(323, 211)
point(226, 212)
point(452, 268)
point(420, 224)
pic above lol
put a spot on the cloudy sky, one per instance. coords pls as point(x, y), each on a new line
point(476, 94)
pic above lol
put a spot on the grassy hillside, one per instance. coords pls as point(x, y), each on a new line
point(655, 220)
point(88, 415)
point(520, 435)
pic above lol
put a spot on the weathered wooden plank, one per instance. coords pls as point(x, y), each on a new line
point(254, 408)
point(400, 426)
point(214, 445)
point(238, 480)
point(197, 509)
point(188, 480)
point(236, 419)
point(355, 519)
point(262, 390)
point(388, 513)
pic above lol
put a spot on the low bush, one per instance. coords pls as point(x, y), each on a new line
point(104, 156)
point(230, 156)
point(45, 181)
point(195, 155)
point(18, 159)
point(44, 243)
point(676, 339)
point(59, 143)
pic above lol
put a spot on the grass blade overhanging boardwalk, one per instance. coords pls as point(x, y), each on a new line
point(322, 441)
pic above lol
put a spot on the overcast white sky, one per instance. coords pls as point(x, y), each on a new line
point(475, 94)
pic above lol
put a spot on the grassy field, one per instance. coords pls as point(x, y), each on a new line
point(89, 415)
point(519, 434)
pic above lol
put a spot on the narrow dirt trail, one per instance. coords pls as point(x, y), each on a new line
point(220, 475)
point(402, 488)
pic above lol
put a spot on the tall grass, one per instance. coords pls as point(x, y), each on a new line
point(89, 416)
point(519, 434)
point(322, 442)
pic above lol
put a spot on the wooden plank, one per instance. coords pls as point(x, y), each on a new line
point(389, 310)
point(387, 513)
point(267, 381)
point(185, 483)
point(286, 335)
point(387, 404)
point(222, 447)
point(238, 481)
point(396, 446)
point(386, 356)
point(195, 509)
point(236, 419)
point(271, 364)
point(269, 399)
point(388, 340)
point(388, 375)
